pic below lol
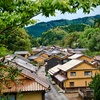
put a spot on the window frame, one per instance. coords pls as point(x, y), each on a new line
point(71, 84)
point(72, 73)
point(87, 73)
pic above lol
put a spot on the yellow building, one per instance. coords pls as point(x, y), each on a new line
point(29, 87)
point(39, 58)
point(81, 57)
point(74, 74)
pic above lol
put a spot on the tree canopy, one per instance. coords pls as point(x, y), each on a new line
point(95, 86)
point(90, 39)
point(15, 13)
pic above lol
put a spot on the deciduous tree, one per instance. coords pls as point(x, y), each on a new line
point(15, 13)
point(95, 85)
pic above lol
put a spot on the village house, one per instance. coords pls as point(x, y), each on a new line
point(40, 57)
point(96, 59)
point(80, 57)
point(36, 50)
point(55, 59)
point(29, 86)
point(73, 75)
point(25, 54)
point(20, 62)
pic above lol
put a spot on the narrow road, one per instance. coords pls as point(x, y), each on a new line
point(53, 94)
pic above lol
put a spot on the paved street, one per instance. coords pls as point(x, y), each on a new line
point(53, 94)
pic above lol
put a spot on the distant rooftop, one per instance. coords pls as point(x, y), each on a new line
point(75, 56)
point(21, 52)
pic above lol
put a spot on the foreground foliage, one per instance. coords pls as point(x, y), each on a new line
point(95, 85)
point(8, 75)
point(19, 13)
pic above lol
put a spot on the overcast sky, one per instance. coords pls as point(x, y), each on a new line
point(68, 16)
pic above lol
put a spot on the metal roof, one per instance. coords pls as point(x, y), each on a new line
point(18, 62)
point(75, 56)
point(13, 56)
point(60, 77)
point(31, 82)
point(35, 77)
point(36, 55)
point(97, 57)
point(54, 70)
point(70, 64)
point(21, 52)
point(25, 64)
point(55, 51)
point(25, 85)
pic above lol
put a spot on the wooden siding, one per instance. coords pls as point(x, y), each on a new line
point(80, 74)
point(77, 83)
point(85, 58)
point(80, 80)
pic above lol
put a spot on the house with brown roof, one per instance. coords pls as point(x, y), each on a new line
point(74, 74)
point(29, 87)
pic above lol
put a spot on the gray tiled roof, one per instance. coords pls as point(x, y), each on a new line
point(20, 63)
point(21, 52)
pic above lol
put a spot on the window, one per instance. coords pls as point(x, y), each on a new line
point(71, 84)
point(73, 74)
point(87, 73)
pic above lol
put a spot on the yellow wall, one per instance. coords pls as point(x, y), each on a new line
point(84, 66)
point(80, 70)
point(77, 82)
point(80, 80)
point(30, 96)
point(80, 74)
point(85, 58)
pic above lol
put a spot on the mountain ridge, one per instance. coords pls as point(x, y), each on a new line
point(37, 29)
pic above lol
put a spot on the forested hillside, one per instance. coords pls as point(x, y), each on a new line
point(18, 39)
point(37, 29)
point(74, 36)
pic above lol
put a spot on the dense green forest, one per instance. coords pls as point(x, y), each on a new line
point(73, 36)
point(18, 39)
point(37, 29)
